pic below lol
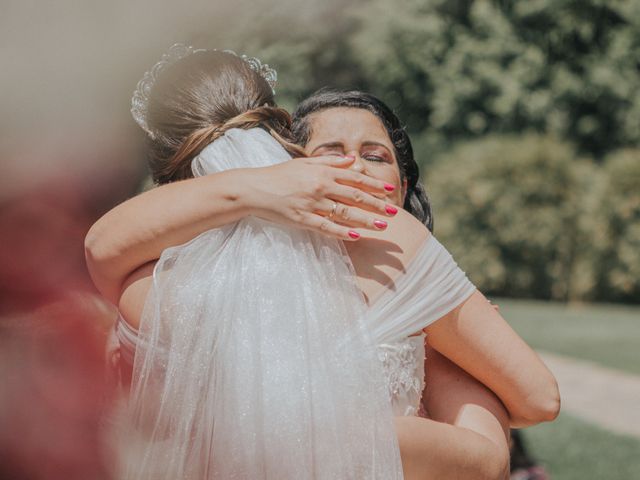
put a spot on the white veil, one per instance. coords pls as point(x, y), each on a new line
point(253, 361)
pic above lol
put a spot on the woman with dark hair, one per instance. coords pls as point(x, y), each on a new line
point(406, 276)
point(416, 201)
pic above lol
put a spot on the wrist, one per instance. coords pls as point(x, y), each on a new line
point(242, 190)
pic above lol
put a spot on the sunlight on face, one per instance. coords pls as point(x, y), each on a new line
point(358, 132)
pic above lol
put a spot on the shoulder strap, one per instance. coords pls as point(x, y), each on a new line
point(431, 287)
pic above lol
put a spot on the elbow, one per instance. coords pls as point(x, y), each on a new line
point(96, 254)
point(543, 406)
point(94, 248)
point(99, 257)
point(549, 408)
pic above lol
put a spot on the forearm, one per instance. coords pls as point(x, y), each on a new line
point(453, 396)
point(138, 230)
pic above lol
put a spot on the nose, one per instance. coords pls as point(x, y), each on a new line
point(358, 165)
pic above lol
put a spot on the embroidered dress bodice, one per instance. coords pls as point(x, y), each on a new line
point(403, 369)
point(431, 286)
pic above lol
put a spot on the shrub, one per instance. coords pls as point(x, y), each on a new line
point(512, 211)
point(619, 265)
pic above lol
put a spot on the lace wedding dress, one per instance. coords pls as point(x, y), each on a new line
point(431, 286)
point(257, 357)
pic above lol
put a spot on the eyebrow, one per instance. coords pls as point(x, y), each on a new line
point(368, 143)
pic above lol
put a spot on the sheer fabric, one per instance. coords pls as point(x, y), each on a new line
point(253, 359)
point(431, 286)
point(442, 287)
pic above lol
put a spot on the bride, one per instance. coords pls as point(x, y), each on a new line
point(518, 395)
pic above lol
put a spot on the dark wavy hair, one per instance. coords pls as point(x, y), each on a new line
point(416, 200)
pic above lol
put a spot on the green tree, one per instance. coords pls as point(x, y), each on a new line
point(509, 209)
point(463, 69)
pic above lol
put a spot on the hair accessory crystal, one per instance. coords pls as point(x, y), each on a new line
point(178, 51)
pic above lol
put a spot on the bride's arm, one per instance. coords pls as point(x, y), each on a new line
point(480, 341)
point(138, 230)
point(474, 335)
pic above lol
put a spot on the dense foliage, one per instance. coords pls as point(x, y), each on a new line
point(461, 69)
point(525, 218)
point(619, 264)
point(512, 207)
point(524, 115)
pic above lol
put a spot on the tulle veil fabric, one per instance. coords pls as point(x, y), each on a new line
point(253, 358)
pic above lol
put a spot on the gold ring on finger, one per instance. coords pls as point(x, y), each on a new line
point(333, 210)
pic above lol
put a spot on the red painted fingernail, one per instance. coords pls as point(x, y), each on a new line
point(380, 224)
point(389, 188)
point(391, 210)
point(354, 235)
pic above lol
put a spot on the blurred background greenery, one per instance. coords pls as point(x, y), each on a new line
point(525, 117)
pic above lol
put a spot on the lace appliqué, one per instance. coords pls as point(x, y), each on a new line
point(401, 364)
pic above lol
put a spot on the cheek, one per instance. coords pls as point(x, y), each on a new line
point(397, 198)
point(387, 173)
point(390, 175)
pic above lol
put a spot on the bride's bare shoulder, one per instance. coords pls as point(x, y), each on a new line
point(379, 257)
point(404, 230)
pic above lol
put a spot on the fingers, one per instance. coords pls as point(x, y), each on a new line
point(363, 182)
point(351, 177)
point(495, 307)
point(327, 227)
point(351, 216)
point(363, 200)
point(332, 160)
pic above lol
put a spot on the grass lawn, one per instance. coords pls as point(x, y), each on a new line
point(606, 334)
point(571, 449)
point(609, 335)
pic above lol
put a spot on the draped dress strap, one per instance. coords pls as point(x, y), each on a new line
point(432, 286)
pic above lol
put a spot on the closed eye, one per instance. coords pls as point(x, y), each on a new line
point(374, 158)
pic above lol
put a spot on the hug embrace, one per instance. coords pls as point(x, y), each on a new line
point(281, 287)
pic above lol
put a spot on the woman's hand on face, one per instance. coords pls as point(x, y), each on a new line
point(305, 191)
